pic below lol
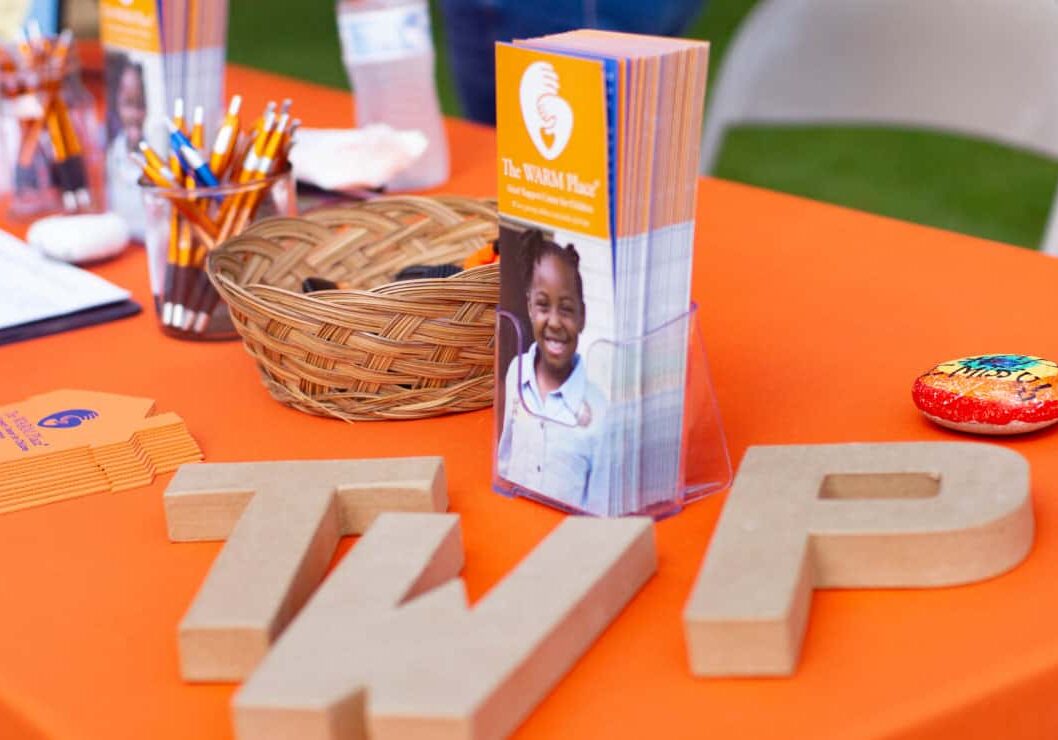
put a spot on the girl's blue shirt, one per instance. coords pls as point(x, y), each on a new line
point(554, 445)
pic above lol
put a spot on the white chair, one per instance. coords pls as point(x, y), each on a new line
point(986, 68)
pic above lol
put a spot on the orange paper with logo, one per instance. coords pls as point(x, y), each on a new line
point(553, 170)
point(68, 443)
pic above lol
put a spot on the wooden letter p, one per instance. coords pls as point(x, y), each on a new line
point(852, 516)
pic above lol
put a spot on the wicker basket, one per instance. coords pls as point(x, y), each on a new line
point(374, 349)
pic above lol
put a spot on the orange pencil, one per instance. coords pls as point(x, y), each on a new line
point(230, 207)
point(7, 62)
point(243, 142)
point(59, 55)
point(269, 147)
point(263, 124)
point(25, 48)
point(183, 280)
point(40, 45)
point(283, 158)
point(198, 129)
point(61, 155)
point(178, 121)
point(265, 166)
point(224, 144)
point(164, 178)
point(185, 317)
point(152, 157)
point(159, 174)
point(72, 172)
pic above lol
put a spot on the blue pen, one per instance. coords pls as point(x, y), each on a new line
point(192, 159)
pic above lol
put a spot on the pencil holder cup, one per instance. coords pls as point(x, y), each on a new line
point(183, 226)
point(52, 141)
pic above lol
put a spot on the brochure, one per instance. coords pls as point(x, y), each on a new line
point(597, 137)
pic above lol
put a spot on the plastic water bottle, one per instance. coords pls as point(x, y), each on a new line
point(389, 55)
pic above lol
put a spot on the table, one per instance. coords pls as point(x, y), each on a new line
point(816, 318)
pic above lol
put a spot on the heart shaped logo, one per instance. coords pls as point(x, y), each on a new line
point(548, 117)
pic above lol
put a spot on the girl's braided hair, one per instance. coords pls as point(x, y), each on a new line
point(536, 247)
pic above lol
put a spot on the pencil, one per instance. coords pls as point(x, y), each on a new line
point(202, 217)
point(153, 159)
point(198, 130)
point(60, 154)
point(192, 270)
point(155, 171)
point(178, 121)
point(43, 67)
point(224, 144)
point(265, 149)
point(264, 170)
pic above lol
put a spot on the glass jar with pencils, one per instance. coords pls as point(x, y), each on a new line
point(183, 226)
point(199, 197)
point(53, 157)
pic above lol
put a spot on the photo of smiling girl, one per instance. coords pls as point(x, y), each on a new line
point(126, 127)
point(552, 441)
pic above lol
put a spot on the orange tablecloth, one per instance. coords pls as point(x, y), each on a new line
point(816, 318)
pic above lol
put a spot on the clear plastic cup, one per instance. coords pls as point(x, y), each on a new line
point(183, 226)
point(52, 153)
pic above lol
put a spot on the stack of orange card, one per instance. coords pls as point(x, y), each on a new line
point(69, 443)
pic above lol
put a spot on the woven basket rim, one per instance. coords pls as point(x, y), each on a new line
point(395, 350)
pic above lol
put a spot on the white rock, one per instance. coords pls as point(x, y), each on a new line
point(87, 237)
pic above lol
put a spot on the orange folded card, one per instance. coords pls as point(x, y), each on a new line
point(70, 443)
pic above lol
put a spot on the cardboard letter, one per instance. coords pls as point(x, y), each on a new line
point(854, 516)
point(368, 657)
point(282, 521)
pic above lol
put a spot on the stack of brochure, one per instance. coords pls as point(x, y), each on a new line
point(598, 137)
point(157, 52)
point(69, 443)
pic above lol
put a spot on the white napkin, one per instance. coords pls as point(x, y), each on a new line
point(345, 159)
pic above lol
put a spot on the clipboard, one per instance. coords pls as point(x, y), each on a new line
point(40, 296)
point(70, 321)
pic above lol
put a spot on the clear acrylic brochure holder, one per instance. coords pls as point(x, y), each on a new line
point(648, 444)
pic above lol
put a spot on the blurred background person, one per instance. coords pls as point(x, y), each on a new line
point(473, 27)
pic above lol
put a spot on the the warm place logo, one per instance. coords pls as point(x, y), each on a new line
point(67, 419)
point(548, 116)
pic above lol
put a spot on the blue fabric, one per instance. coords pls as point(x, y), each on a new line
point(47, 14)
point(472, 28)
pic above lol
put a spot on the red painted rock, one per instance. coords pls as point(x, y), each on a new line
point(990, 394)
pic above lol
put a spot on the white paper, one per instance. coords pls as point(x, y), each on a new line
point(33, 287)
point(344, 159)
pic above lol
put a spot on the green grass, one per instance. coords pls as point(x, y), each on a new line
point(952, 182)
point(301, 40)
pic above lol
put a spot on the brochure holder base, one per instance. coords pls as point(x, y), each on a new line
point(635, 429)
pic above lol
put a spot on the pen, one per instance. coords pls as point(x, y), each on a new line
point(190, 158)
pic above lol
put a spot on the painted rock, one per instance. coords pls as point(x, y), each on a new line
point(990, 394)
